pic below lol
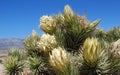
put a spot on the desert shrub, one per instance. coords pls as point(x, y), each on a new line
point(71, 45)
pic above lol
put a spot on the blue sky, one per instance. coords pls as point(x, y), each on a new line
point(19, 17)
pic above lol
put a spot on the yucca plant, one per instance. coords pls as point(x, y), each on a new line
point(97, 61)
point(72, 29)
point(72, 43)
point(31, 43)
point(13, 66)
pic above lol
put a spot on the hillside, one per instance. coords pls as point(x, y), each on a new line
point(5, 44)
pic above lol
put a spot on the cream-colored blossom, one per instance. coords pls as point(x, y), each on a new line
point(59, 59)
point(91, 51)
point(47, 24)
point(47, 42)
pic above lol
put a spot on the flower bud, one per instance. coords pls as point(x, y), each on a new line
point(91, 51)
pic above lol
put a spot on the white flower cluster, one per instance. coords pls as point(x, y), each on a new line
point(47, 24)
point(47, 42)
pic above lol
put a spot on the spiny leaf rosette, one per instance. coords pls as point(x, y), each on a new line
point(69, 29)
point(13, 66)
point(35, 65)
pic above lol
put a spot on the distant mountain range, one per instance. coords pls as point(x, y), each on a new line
point(6, 44)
